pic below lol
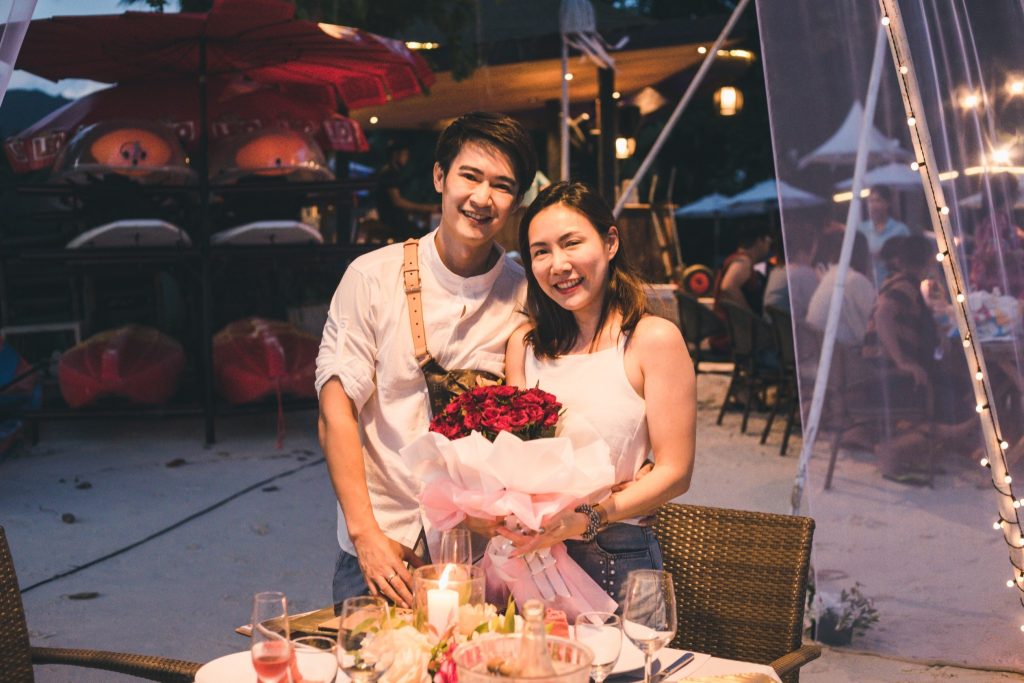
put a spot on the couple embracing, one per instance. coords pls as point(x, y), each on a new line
point(451, 307)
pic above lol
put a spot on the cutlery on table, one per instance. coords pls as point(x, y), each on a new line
point(672, 668)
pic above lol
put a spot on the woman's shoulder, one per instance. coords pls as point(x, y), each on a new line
point(654, 334)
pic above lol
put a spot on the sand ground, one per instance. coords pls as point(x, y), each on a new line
point(258, 518)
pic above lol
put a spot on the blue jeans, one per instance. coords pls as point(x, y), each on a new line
point(614, 553)
point(348, 580)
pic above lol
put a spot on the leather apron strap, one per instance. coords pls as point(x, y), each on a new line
point(411, 279)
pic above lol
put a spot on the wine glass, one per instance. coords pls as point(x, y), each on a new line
point(602, 633)
point(364, 644)
point(649, 613)
point(271, 650)
point(456, 547)
point(315, 660)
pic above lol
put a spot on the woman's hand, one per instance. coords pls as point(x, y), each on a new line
point(486, 527)
point(563, 525)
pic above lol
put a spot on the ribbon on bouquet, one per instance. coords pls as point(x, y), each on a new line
point(549, 575)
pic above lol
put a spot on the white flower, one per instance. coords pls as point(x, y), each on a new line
point(472, 616)
point(411, 651)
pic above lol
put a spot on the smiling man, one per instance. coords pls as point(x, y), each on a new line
point(373, 393)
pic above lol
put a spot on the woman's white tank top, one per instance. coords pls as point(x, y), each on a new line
point(595, 386)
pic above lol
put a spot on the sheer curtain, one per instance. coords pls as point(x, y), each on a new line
point(899, 408)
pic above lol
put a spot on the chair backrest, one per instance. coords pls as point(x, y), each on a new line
point(740, 579)
point(782, 326)
point(15, 652)
point(689, 319)
point(742, 327)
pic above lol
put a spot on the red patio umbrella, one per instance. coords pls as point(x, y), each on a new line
point(235, 105)
point(261, 38)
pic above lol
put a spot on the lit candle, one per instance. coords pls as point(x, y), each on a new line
point(442, 604)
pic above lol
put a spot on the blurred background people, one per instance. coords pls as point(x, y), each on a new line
point(858, 291)
point(998, 259)
point(405, 218)
point(738, 281)
point(793, 280)
point(902, 341)
point(880, 227)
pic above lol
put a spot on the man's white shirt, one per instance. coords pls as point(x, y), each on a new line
point(368, 345)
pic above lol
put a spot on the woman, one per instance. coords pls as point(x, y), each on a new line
point(590, 342)
point(903, 342)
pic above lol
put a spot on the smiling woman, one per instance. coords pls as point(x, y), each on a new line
point(627, 374)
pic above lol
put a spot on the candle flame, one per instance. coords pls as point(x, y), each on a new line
point(443, 583)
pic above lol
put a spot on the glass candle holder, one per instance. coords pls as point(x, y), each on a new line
point(570, 659)
point(440, 590)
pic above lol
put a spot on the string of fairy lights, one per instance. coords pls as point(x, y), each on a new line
point(1008, 521)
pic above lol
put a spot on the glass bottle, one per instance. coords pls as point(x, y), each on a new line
point(534, 659)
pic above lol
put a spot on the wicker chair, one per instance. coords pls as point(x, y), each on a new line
point(17, 655)
point(741, 583)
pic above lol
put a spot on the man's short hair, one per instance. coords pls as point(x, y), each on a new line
point(495, 130)
point(750, 232)
point(883, 192)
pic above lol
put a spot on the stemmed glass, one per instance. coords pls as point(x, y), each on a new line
point(602, 633)
point(271, 649)
point(315, 660)
point(456, 547)
point(364, 648)
point(649, 613)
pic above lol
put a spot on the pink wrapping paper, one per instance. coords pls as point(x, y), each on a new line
point(526, 480)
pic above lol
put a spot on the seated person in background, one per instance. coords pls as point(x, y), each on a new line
point(792, 282)
point(737, 281)
point(998, 259)
point(880, 227)
point(858, 291)
point(394, 209)
point(902, 341)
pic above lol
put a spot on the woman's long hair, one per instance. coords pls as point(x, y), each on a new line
point(555, 331)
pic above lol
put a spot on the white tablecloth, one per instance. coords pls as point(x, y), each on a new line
point(237, 668)
point(712, 666)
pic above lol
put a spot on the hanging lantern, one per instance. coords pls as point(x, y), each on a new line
point(729, 100)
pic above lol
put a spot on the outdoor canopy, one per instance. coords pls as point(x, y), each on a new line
point(261, 38)
point(841, 147)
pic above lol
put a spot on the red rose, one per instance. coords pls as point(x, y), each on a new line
point(551, 420)
point(532, 396)
point(518, 419)
point(504, 391)
point(471, 420)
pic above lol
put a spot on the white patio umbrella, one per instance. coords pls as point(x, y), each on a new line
point(764, 198)
point(709, 206)
point(841, 148)
point(896, 175)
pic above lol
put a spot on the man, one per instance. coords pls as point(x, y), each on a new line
point(393, 208)
point(373, 396)
point(880, 227)
point(737, 281)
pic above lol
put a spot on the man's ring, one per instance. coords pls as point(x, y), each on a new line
point(388, 578)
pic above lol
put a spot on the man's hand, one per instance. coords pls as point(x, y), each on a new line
point(381, 561)
point(644, 470)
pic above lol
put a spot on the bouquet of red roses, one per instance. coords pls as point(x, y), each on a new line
point(494, 452)
point(527, 413)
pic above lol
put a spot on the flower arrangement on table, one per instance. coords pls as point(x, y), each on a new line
point(421, 655)
point(502, 452)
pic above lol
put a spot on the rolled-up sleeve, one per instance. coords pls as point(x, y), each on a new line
point(348, 348)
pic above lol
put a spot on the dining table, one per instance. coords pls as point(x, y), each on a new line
point(237, 667)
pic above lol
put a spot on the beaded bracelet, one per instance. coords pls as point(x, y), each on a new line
point(593, 522)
